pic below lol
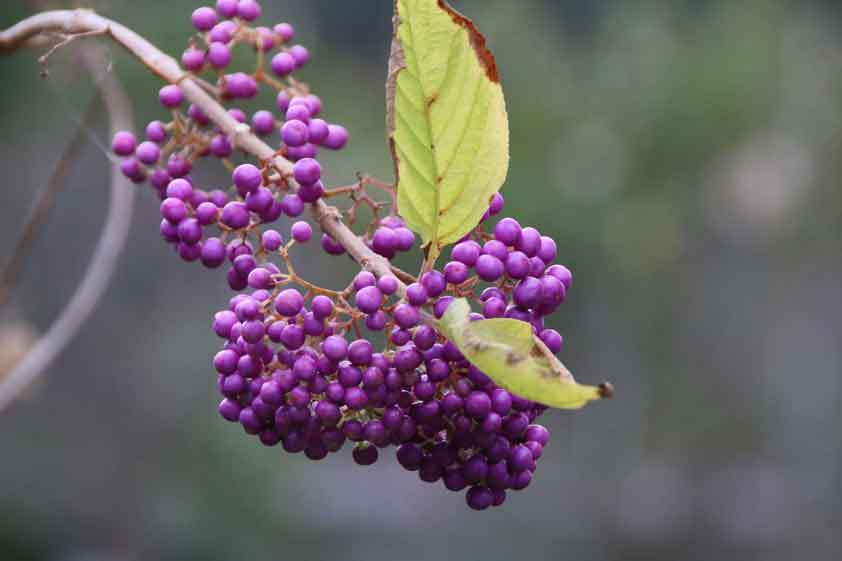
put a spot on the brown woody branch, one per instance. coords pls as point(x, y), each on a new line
point(79, 22)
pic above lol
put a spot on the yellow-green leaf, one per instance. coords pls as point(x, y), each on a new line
point(447, 122)
point(509, 353)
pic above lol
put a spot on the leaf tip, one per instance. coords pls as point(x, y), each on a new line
point(606, 390)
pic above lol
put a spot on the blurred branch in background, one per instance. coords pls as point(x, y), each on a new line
point(44, 203)
point(109, 247)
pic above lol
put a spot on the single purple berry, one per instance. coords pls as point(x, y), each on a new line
point(263, 123)
point(285, 31)
point(227, 8)
point(369, 299)
point(456, 272)
point(562, 273)
point(416, 294)
point(300, 54)
point(529, 241)
point(507, 231)
point(548, 250)
point(289, 302)
point(489, 268)
point(271, 240)
point(247, 178)
point(319, 131)
point(219, 55)
point(148, 153)
point(235, 215)
point(156, 132)
point(496, 205)
point(124, 143)
point(171, 96)
point(365, 455)
point(337, 137)
point(193, 59)
point(331, 246)
point(222, 32)
point(434, 282)
point(283, 64)
point(322, 306)
point(248, 10)
point(384, 242)
point(478, 405)
point(301, 231)
point(528, 293)
point(466, 252)
point(388, 284)
point(307, 170)
point(294, 133)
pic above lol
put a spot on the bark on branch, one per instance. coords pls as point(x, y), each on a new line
point(70, 22)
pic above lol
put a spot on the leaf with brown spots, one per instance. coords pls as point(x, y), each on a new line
point(446, 119)
point(509, 353)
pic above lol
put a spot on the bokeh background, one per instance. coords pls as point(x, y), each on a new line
point(684, 153)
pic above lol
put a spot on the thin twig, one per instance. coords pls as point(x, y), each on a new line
point(44, 203)
point(43, 59)
point(103, 262)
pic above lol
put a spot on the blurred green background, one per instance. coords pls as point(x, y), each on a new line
point(686, 156)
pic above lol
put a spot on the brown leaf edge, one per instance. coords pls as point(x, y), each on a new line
point(478, 41)
point(397, 63)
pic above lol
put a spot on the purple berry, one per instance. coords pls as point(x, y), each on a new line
point(388, 284)
point(247, 178)
point(307, 170)
point(466, 252)
point(263, 123)
point(497, 203)
point(248, 10)
point(337, 137)
point(283, 64)
point(301, 232)
point(369, 299)
point(548, 250)
point(365, 455)
point(235, 215)
point(434, 283)
point(227, 8)
point(529, 241)
point(300, 54)
point(289, 302)
point(507, 231)
point(271, 240)
point(489, 268)
point(124, 143)
point(562, 273)
point(285, 31)
point(148, 153)
point(171, 96)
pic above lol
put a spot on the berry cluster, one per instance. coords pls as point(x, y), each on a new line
point(258, 196)
point(300, 366)
point(302, 370)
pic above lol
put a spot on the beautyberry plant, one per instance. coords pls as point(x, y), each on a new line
point(450, 368)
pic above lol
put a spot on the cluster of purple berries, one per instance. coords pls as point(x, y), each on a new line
point(298, 367)
point(170, 149)
point(228, 225)
point(300, 370)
